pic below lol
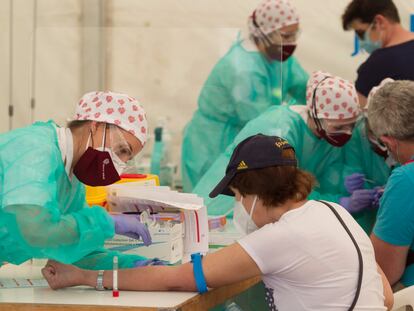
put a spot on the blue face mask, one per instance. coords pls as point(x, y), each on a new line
point(367, 44)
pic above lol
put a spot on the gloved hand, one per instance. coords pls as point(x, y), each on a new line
point(354, 182)
point(359, 200)
point(377, 196)
point(130, 226)
point(150, 262)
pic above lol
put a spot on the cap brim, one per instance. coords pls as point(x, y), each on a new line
point(223, 187)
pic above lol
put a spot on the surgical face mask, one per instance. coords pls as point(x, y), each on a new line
point(390, 161)
point(335, 139)
point(242, 220)
point(376, 145)
point(393, 157)
point(378, 148)
point(280, 53)
point(96, 167)
point(367, 44)
point(120, 165)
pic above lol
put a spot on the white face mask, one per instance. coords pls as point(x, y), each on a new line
point(119, 165)
point(242, 220)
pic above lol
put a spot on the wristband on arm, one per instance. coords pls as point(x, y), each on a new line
point(198, 273)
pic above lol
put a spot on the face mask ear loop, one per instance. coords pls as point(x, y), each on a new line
point(253, 207)
point(264, 36)
point(104, 138)
point(89, 139)
point(313, 110)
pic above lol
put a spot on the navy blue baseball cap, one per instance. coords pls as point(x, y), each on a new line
point(255, 152)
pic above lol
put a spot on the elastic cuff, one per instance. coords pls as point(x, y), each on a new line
point(198, 273)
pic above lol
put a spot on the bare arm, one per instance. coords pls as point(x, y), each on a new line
point(388, 294)
point(226, 266)
point(391, 258)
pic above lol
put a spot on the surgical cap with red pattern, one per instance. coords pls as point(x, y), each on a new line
point(271, 15)
point(114, 108)
point(335, 98)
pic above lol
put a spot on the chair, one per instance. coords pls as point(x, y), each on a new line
point(403, 298)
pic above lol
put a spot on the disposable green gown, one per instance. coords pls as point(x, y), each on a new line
point(43, 214)
point(314, 155)
point(241, 86)
point(360, 158)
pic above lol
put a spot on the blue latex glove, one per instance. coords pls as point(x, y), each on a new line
point(150, 262)
point(131, 226)
point(354, 182)
point(377, 196)
point(359, 200)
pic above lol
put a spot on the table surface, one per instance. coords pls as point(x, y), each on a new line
point(84, 298)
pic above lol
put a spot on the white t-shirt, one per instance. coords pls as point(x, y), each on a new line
point(309, 262)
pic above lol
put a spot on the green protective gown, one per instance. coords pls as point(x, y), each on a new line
point(360, 158)
point(44, 214)
point(314, 155)
point(241, 86)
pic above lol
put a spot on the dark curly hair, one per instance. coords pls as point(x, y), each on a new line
point(276, 184)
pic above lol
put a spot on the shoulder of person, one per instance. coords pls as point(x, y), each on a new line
point(401, 178)
point(36, 139)
point(377, 58)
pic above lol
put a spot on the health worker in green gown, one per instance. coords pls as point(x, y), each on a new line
point(243, 84)
point(368, 167)
point(317, 131)
point(43, 169)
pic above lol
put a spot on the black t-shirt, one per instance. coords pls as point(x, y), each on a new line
point(396, 62)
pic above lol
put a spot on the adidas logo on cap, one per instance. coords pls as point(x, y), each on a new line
point(242, 166)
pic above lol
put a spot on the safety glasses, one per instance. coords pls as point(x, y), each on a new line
point(338, 126)
point(373, 139)
point(289, 37)
point(361, 34)
point(119, 144)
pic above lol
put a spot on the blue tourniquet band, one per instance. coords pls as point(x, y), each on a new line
point(198, 273)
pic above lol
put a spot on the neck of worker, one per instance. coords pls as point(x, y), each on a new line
point(396, 34)
point(405, 151)
point(80, 139)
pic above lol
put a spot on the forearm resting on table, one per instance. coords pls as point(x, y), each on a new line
point(226, 266)
point(153, 278)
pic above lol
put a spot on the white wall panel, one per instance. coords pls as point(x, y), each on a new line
point(160, 51)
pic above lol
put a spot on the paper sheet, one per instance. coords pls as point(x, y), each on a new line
point(20, 283)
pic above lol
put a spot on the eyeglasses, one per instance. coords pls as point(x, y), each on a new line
point(374, 139)
point(336, 127)
point(362, 33)
point(289, 36)
point(119, 144)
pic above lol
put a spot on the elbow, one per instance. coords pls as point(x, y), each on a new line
point(181, 279)
point(389, 301)
point(393, 275)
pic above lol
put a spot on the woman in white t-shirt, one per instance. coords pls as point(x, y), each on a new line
point(305, 256)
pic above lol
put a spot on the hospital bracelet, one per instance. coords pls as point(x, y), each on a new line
point(198, 273)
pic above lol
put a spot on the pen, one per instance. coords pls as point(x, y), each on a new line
point(370, 181)
point(115, 292)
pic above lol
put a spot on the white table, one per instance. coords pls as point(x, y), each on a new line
point(87, 299)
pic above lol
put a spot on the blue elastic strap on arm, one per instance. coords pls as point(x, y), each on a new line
point(198, 273)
